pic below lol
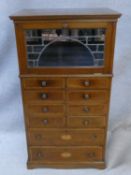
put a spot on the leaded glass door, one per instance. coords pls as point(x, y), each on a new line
point(65, 47)
point(78, 48)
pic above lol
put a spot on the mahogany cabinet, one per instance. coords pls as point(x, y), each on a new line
point(65, 61)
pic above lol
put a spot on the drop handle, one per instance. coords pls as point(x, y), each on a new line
point(86, 109)
point(86, 96)
point(43, 83)
point(45, 109)
point(44, 96)
point(86, 122)
point(45, 121)
point(86, 83)
point(38, 137)
point(39, 155)
point(91, 154)
point(94, 136)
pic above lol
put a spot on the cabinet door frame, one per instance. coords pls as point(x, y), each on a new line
point(110, 27)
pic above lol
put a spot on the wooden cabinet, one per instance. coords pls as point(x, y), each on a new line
point(65, 61)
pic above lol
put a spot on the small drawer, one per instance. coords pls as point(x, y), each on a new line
point(89, 83)
point(87, 110)
point(43, 83)
point(86, 122)
point(48, 110)
point(72, 137)
point(46, 122)
point(64, 154)
point(88, 96)
point(44, 96)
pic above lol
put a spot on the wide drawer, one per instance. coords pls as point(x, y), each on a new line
point(88, 96)
point(86, 122)
point(64, 154)
point(89, 83)
point(86, 110)
point(57, 137)
point(46, 110)
point(43, 83)
point(46, 122)
point(44, 96)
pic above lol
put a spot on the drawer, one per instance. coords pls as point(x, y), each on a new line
point(86, 110)
point(57, 137)
point(86, 122)
point(88, 96)
point(48, 110)
point(47, 122)
point(43, 83)
point(64, 154)
point(89, 83)
point(44, 96)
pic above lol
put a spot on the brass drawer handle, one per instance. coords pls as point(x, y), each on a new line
point(85, 109)
point(66, 155)
point(38, 137)
point(45, 121)
point(44, 96)
point(45, 109)
point(66, 137)
point(94, 136)
point(86, 96)
point(91, 154)
point(86, 122)
point(43, 83)
point(86, 83)
point(39, 155)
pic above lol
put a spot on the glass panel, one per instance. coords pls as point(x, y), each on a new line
point(65, 47)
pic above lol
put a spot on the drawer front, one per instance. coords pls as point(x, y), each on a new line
point(86, 122)
point(89, 83)
point(44, 96)
point(86, 110)
point(66, 138)
point(76, 154)
point(43, 83)
point(88, 97)
point(47, 122)
point(48, 110)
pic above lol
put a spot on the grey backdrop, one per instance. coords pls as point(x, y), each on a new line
point(13, 153)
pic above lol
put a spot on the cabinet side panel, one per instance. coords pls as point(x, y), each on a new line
point(110, 44)
point(20, 48)
point(25, 113)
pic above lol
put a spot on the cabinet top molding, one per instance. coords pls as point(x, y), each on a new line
point(46, 14)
